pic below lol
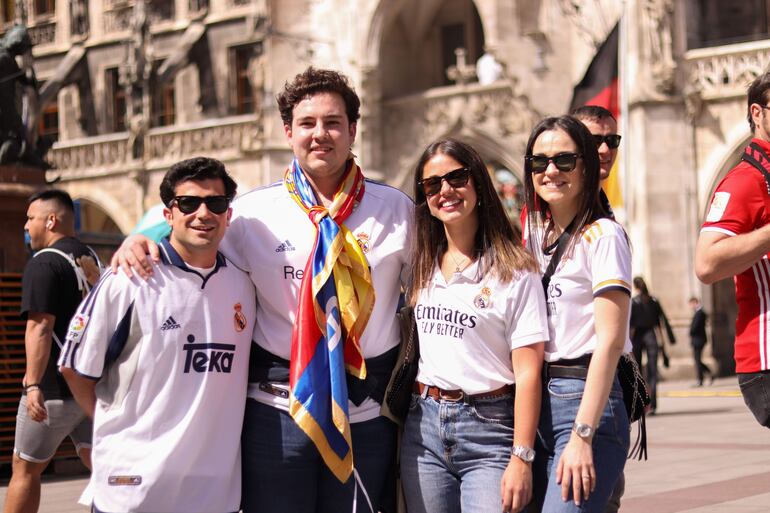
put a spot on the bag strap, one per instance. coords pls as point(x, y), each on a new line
point(561, 246)
point(80, 275)
point(758, 158)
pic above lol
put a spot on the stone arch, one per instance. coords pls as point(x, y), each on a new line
point(720, 160)
point(488, 146)
point(109, 205)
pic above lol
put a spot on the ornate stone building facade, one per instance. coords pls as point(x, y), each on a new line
point(134, 86)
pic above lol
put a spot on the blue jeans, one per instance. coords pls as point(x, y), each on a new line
point(453, 454)
point(283, 471)
point(755, 388)
point(561, 399)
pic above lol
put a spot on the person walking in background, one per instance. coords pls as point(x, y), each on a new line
point(586, 260)
point(481, 323)
point(53, 285)
point(646, 316)
point(698, 340)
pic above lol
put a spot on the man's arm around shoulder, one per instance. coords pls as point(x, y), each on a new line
point(719, 255)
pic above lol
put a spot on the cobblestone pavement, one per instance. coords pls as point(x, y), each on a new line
point(707, 454)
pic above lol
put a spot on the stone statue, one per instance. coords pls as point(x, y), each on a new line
point(656, 29)
point(13, 141)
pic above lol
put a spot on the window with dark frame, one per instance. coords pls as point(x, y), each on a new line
point(452, 37)
point(48, 126)
point(8, 10)
point(163, 107)
point(116, 101)
point(716, 22)
point(43, 7)
point(241, 91)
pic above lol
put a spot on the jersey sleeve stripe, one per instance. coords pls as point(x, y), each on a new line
point(718, 230)
point(119, 338)
point(611, 283)
point(608, 289)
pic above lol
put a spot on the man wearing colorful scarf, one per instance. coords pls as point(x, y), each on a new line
point(327, 251)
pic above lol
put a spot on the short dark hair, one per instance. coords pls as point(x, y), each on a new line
point(196, 168)
point(313, 81)
point(62, 198)
point(757, 93)
point(592, 112)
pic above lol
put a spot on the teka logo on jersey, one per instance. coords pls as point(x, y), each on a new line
point(210, 357)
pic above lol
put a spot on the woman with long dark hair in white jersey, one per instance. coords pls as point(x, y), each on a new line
point(586, 259)
point(481, 324)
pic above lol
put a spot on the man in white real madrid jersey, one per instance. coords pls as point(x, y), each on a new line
point(162, 364)
point(272, 237)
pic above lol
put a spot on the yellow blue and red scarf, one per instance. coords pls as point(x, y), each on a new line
point(335, 302)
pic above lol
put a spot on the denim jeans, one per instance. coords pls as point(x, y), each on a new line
point(561, 399)
point(647, 341)
point(755, 388)
point(283, 471)
point(453, 454)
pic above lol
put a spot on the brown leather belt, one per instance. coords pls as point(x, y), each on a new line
point(455, 396)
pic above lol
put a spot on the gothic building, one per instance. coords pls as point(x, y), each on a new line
point(132, 86)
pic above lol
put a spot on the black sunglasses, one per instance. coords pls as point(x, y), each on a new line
point(539, 163)
point(456, 178)
point(612, 140)
point(190, 204)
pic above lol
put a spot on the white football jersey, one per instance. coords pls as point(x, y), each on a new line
point(600, 261)
point(171, 359)
point(469, 326)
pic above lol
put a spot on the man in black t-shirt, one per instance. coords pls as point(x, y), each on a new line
point(52, 288)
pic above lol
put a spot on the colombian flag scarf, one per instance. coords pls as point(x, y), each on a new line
point(336, 299)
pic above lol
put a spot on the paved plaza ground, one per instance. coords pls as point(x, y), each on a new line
point(707, 455)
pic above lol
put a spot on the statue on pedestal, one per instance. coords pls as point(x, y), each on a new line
point(14, 145)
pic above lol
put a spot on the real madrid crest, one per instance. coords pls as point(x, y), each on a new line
point(483, 299)
point(363, 241)
point(239, 318)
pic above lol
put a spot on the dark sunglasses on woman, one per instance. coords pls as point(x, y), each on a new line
point(612, 140)
point(190, 204)
point(456, 178)
point(564, 162)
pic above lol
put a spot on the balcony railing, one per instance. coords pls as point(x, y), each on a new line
point(224, 138)
point(725, 71)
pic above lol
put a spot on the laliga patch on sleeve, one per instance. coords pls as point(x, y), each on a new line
point(718, 206)
point(77, 327)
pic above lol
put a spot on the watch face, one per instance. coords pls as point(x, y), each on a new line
point(583, 430)
point(525, 453)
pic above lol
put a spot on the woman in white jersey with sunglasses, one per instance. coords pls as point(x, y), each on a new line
point(586, 261)
point(481, 324)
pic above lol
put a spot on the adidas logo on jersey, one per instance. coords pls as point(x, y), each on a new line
point(285, 246)
point(170, 324)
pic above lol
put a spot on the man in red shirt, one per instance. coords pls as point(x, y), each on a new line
point(735, 241)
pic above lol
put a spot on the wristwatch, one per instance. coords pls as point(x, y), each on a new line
point(584, 431)
point(525, 454)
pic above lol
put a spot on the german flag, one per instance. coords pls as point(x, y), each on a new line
point(600, 87)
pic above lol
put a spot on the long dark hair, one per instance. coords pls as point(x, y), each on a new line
point(590, 207)
point(497, 248)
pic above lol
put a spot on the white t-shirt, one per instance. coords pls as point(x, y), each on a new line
point(600, 261)
point(271, 238)
point(171, 359)
point(469, 326)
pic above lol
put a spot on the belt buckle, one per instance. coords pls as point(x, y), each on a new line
point(450, 399)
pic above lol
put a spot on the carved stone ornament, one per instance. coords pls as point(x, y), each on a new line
point(415, 121)
point(656, 19)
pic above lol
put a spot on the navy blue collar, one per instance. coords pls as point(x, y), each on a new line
point(170, 256)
